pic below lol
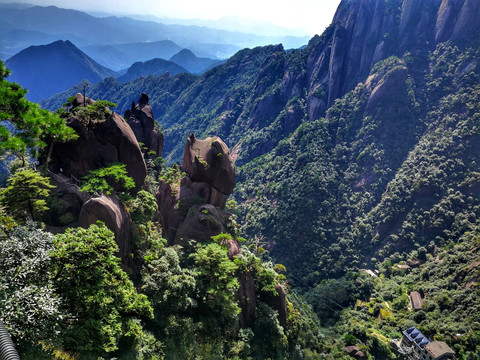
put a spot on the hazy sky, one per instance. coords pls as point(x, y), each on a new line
point(311, 16)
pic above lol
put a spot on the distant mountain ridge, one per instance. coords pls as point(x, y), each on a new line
point(192, 63)
point(151, 67)
point(109, 56)
point(85, 30)
point(48, 69)
point(144, 51)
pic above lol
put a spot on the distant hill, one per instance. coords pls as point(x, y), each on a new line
point(42, 22)
point(109, 56)
point(48, 69)
point(143, 51)
point(192, 63)
point(163, 92)
point(151, 67)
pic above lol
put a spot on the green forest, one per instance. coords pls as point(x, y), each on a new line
point(302, 219)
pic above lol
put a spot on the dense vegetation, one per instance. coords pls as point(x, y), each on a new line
point(366, 185)
point(388, 176)
point(68, 296)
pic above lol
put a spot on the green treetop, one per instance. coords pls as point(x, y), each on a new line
point(25, 127)
point(100, 299)
point(24, 197)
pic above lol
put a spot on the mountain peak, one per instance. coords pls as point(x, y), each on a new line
point(184, 53)
point(187, 59)
point(48, 69)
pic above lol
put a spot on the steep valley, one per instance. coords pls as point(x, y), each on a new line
point(353, 166)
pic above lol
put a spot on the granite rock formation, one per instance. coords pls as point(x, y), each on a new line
point(111, 211)
point(209, 178)
point(209, 161)
point(98, 144)
point(141, 121)
point(366, 31)
point(192, 210)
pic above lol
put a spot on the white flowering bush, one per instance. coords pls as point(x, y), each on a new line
point(28, 305)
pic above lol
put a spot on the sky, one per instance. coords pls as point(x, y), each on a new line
point(303, 17)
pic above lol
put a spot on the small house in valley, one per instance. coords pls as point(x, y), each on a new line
point(416, 300)
point(416, 346)
point(439, 350)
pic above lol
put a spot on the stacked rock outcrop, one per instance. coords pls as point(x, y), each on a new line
point(100, 142)
point(192, 209)
point(107, 141)
point(141, 120)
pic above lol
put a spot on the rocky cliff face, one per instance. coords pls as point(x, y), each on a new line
point(366, 31)
point(141, 121)
point(193, 208)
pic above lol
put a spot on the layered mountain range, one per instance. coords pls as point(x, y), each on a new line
point(353, 161)
point(48, 69)
point(323, 135)
point(25, 25)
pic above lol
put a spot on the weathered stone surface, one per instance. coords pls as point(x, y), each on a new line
point(110, 210)
point(141, 120)
point(209, 161)
point(174, 200)
point(467, 22)
point(121, 136)
point(169, 214)
point(457, 19)
point(366, 31)
point(201, 223)
point(385, 83)
point(446, 15)
point(106, 142)
point(233, 248)
point(79, 101)
point(69, 199)
point(247, 299)
point(279, 303)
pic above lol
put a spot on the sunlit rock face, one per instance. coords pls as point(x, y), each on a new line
point(141, 120)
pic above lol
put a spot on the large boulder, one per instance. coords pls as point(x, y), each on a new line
point(141, 120)
point(111, 211)
point(67, 201)
point(80, 100)
point(209, 161)
point(175, 200)
point(99, 143)
point(385, 83)
point(201, 223)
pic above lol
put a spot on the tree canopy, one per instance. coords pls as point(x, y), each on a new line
point(25, 196)
point(25, 127)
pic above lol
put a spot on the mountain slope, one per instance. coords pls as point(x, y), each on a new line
point(358, 152)
point(47, 69)
point(144, 51)
point(320, 181)
point(151, 67)
point(366, 182)
point(192, 63)
point(346, 158)
point(108, 56)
